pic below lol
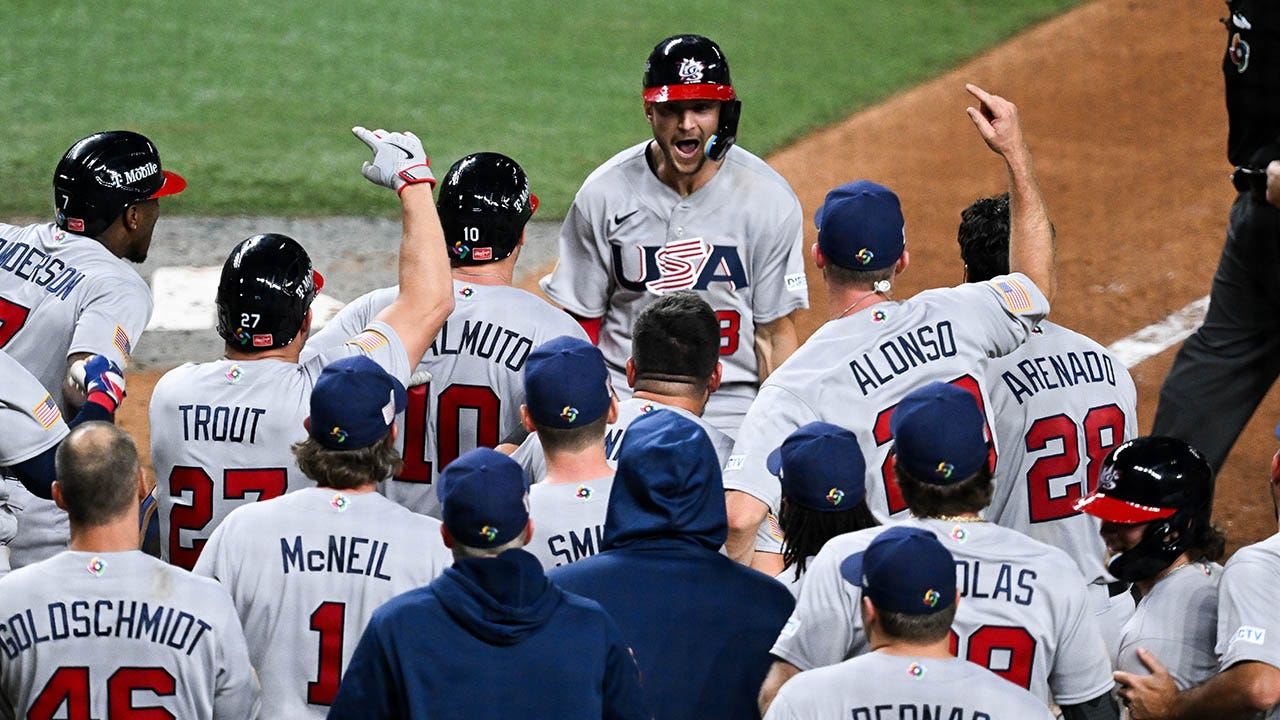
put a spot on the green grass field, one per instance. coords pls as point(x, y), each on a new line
point(252, 101)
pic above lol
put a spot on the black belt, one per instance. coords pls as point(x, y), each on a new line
point(1117, 587)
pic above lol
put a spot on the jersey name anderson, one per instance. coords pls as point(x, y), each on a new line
point(35, 266)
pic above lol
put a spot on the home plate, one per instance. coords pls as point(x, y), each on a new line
point(184, 299)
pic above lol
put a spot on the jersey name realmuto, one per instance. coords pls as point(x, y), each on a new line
point(305, 572)
point(853, 371)
point(1061, 402)
point(737, 241)
point(1024, 611)
point(476, 386)
point(116, 634)
point(222, 433)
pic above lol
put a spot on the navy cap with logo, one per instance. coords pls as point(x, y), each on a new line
point(821, 467)
point(566, 384)
point(939, 434)
point(904, 570)
point(860, 226)
point(354, 403)
point(485, 498)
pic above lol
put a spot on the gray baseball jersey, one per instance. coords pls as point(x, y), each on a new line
point(120, 634)
point(880, 686)
point(477, 377)
point(1177, 622)
point(1061, 402)
point(853, 371)
point(737, 241)
point(221, 434)
point(1024, 613)
point(305, 572)
point(30, 423)
point(1248, 624)
point(568, 520)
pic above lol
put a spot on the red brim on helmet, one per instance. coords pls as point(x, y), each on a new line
point(318, 279)
point(173, 184)
point(1120, 511)
point(704, 91)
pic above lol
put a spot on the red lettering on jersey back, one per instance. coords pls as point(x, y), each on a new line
point(236, 485)
point(487, 410)
point(1044, 502)
point(70, 685)
point(12, 318)
point(328, 619)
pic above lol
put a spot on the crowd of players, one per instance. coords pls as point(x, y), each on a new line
point(932, 507)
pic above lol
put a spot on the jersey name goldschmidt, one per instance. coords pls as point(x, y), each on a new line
point(737, 241)
point(476, 365)
point(120, 634)
point(878, 686)
point(853, 371)
point(305, 572)
point(1024, 611)
point(1061, 402)
point(222, 432)
point(61, 294)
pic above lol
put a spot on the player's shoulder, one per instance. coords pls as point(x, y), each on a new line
point(604, 178)
point(512, 304)
point(842, 546)
point(766, 179)
point(1265, 553)
point(998, 542)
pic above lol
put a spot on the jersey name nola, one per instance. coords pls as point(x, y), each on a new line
point(35, 266)
point(897, 355)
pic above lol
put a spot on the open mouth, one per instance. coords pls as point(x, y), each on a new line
point(687, 148)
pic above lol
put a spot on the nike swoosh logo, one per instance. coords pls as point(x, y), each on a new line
point(407, 153)
point(619, 219)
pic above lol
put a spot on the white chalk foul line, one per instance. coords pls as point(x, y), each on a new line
point(184, 299)
point(1158, 337)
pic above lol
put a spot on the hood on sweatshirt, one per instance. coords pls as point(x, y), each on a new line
point(667, 485)
point(500, 600)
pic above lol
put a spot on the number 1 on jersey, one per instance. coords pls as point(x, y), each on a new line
point(329, 619)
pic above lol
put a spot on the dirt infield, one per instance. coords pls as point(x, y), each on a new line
point(1122, 104)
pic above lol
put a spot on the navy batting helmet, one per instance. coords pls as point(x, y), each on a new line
point(692, 67)
point(103, 174)
point(266, 288)
point(484, 205)
point(1156, 480)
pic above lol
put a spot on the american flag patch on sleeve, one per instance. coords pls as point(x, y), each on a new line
point(122, 344)
point(774, 528)
point(47, 413)
point(1015, 296)
point(369, 340)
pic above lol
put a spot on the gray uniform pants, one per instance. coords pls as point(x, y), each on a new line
point(1224, 370)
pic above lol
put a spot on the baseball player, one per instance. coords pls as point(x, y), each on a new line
point(909, 599)
point(221, 430)
point(1025, 615)
point(1247, 685)
point(1154, 497)
point(824, 481)
point(1061, 402)
point(102, 630)
point(31, 427)
point(474, 393)
point(687, 210)
point(66, 290)
point(568, 405)
point(874, 350)
point(307, 570)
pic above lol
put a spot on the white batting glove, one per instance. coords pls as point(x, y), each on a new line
point(398, 159)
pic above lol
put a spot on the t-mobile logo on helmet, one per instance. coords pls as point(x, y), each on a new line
point(138, 173)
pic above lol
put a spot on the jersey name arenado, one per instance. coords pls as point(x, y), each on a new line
point(853, 371)
point(1061, 402)
point(120, 634)
point(737, 241)
point(305, 572)
point(222, 432)
point(476, 388)
point(1024, 611)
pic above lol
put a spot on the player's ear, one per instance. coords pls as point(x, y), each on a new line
point(444, 535)
point(393, 432)
point(713, 383)
point(819, 258)
point(525, 419)
point(631, 372)
point(902, 263)
point(528, 531)
point(143, 490)
point(57, 495)
point(306, 424)
point(612, 416)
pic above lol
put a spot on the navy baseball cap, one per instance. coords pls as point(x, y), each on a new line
point(354, 403)
point(821, 468)
point(566, 384)
point(939, 434)
point(904, 570)
point(860, 226)
point(486, 503)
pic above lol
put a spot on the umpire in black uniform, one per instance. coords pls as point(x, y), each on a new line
point(1224, 370)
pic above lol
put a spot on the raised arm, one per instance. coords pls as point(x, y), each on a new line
point(426, 287)
point(1031, 248)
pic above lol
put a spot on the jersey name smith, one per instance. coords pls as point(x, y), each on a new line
point(35, 266)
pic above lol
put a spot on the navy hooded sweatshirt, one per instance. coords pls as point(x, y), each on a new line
point(489, 639)
point(700, 624)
